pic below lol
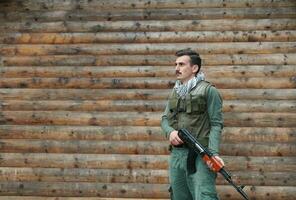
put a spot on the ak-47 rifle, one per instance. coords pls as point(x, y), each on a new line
point(206, 155)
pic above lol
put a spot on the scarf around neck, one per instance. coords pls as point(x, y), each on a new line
point(183, 89)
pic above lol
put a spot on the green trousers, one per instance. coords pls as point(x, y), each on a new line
point(197, 186)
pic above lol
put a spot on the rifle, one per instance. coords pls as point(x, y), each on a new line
point(206, 155)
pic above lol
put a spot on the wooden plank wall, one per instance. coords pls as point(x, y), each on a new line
point(83, 85)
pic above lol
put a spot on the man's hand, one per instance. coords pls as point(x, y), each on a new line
point(174, 138)
point(210, 164)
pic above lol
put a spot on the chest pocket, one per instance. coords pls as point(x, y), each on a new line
point(173, 104)
point(196, 104)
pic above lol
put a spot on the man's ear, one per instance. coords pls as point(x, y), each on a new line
point(195, 69)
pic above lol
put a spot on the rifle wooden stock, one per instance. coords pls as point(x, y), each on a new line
point(208, 156)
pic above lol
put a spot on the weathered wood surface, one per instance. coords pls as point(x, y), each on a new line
point(139, 147)
point(136, 94)
point(132, 161)
point(256, 119)
point(136, 190)
point(163, 49)
point(101, 133)
point(151, 14)
point(246, 71)
point(68, 198)
point(134, 175)
point(147, 60)
point(83, 85)
point(151, 25)
point(226, 192)
point(143, 105)
point(151, 37)
point(122, 4)
point(142, 83)
point(139, 133)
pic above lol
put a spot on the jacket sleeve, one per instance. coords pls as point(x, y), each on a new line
point(214, 102)
point(166, 128)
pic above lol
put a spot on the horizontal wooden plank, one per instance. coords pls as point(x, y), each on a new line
point(136, 94)
point(143, 105)
point(134, 190)
point(125, 161)
point(256, 134)
point(84, 189)
point(258, 149)
point(96, 161)
point(68, 198)
point(249, 71)
point(85, 175)
point(260, 119)
point(148, 60)
point(136, 118)
point(143, 83)
point(146, 48)
point(91, 83)
point(151, 25)
point(246, 71)
point(134, 176)
point(80, 118)
point(139, 133)
point(151, 37)
point(96, 72)
point(138, 147)
point(258, 83)
point(101, 105)
point(255, 94)
point(120, 133)
point(150, 14)
point(259, 106)
point(260, 178)
point(134, 4)
point(225, 192)
point(88, 147)
point(84, 94)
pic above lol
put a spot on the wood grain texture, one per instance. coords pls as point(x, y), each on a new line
point(134, 4)
point(151, 25)
point(148, 37)
point(83, 85)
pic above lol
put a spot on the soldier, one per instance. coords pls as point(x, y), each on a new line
point(196, 105)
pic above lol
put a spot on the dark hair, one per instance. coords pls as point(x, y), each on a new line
point(194, 56)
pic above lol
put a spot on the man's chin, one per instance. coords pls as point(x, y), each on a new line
point(178, 77)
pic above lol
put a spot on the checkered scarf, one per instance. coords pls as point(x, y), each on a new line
point(182, 90)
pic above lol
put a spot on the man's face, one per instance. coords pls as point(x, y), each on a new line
point(184, 70)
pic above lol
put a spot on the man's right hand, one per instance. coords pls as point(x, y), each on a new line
point(174, 138)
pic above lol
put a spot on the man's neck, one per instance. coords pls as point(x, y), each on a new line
point(186, 81)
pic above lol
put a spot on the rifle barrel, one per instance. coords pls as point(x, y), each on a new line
point(192, 142)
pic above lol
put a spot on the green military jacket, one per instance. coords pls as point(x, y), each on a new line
point(200, 112)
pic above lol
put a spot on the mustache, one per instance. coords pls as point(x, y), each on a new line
point(177, 72)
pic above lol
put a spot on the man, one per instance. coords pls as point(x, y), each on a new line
point(196, 105)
